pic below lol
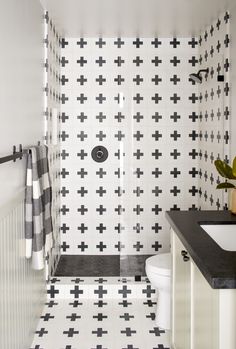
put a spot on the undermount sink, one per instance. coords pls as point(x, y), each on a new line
point(223, 234)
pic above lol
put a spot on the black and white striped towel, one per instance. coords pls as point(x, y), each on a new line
point(38, 220)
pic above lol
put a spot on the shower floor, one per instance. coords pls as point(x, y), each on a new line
point(109, 265)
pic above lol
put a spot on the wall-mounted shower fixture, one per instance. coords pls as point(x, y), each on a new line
point(99, 153)
point(197, 77)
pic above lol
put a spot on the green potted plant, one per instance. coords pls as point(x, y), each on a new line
point(229, 173)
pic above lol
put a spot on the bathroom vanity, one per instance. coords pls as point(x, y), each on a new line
point(203, 246)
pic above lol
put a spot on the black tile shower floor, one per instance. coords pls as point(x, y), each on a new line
point(108, 265)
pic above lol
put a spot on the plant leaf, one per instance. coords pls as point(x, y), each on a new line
point(234, 166)
point(225, 185)
point(224, 169)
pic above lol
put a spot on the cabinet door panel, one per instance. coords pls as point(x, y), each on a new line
point(181, 296)
point(205, 312)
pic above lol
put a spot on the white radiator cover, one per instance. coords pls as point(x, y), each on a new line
point(22, 289)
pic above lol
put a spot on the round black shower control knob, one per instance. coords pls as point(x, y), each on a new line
point(186, 258)
point(184, 253)
point(99, 153)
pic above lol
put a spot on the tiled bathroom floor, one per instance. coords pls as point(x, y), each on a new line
point(100, 324)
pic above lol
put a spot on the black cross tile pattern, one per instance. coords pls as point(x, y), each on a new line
point(130, 96)
point(214, 117)
point(115, 325)
point(53, 82)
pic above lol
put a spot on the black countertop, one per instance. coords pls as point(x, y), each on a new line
point(217, 265)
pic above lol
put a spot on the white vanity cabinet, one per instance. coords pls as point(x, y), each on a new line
point(202, 317)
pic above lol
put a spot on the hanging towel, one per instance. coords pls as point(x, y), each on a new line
point(38, 199)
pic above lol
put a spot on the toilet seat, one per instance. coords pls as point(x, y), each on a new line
point(160, 264)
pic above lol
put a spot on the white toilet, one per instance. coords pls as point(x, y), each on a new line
point(158, 270)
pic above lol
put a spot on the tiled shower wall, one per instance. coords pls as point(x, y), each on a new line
point(214, 111)
point(134, 97)
point(52, 129)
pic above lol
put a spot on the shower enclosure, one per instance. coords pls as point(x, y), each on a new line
point(133, 97)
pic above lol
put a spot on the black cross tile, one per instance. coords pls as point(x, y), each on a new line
point(124, 291)
point(119, 135)
point(193, 43)
point(100, 61)
point(125, 303)
point(82, 98)
point(64, 154)
point(156, 227)
point(82, 246)
point(82, 154)
point(156, 246)
point(156, 61)
point(77, 281)
point(73, 317)
point(161, 346)
point(138, 42)
point(82, 117)
point(175, 79)
point(127, 316)
point(156, 79)
point(157, 331)
point(64, 80)
point(138, 246)
point(138, 61)
point(175, 61)
point(81, 80)
point(156, 209)
point(64, 61)
point(99, 332)
point(101, 173)
point(101, 246)
point(156, 98)
point(101, 117)
point(138, 98)
point(55, 280)
point(76, 292)
point(100, 291)
point(119, 42)
point(100, 98)
point(100, 43)
point(47, 317)
point(100, 304)
point(52, 291)
point(148, 291)
point(41, 332)
point(119, 61)
point(75, 304)
point(150, 303)
point(64, 43)
point(175, 43)
point(71, 332)
point(138, 172)
point(138, 117)
point(101, 209)
point(82, 191)
point(101, 280)
point(175, 98)
point(82, 43)
point(64, 246)
point(119, 79)
point(37, 346)
point(81, 61)
point(82, 228)
point(151, 316)
point(138, 79)
point(119, 227)
point(119, 117)
point(138, 136)
point(82, 173)
point(100, 80)
point(156, 42)
point(82, 210)
point(101, 136)
point(128, 332)
point(101, 228)
point(100, 317)
point(130, 346)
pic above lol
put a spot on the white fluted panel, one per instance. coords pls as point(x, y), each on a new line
point(22, 290)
